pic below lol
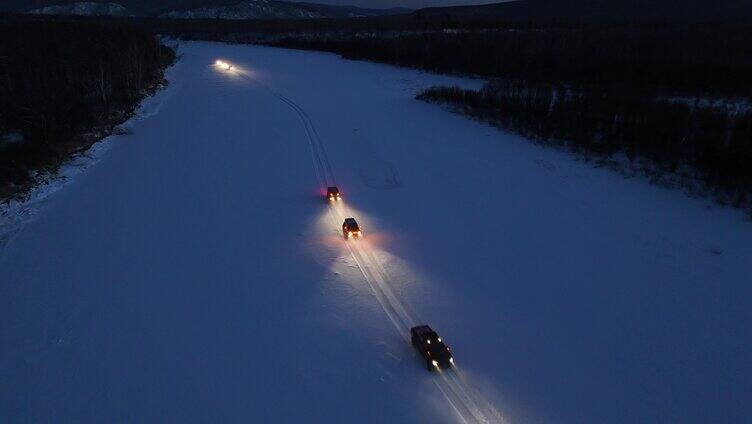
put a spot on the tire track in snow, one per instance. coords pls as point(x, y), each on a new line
point(450, 383)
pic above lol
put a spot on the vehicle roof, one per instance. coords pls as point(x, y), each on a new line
point(431, 335)
point(332, 189)
point(439, 349)
point(422, 329)
point(350, 221)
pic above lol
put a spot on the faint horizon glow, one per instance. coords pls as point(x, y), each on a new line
point(410, 4)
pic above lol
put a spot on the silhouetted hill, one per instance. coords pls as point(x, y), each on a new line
point(187, 9)
point(737, 11)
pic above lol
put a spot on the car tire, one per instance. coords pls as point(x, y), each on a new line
point(429, 365)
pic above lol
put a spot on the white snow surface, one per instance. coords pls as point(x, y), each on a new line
point(195, 274)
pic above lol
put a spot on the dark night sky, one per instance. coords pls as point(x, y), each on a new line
point(413, 4)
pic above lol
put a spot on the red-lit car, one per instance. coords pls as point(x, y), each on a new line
point(332, 194)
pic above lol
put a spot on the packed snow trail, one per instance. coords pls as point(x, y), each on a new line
point(184, 278)
point(455, 390)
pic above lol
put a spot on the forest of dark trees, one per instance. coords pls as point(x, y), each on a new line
point(679, 96)
point(707, 58)
point(64, 84)
point(669, 134)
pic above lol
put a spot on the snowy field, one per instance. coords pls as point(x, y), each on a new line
point(193, 272)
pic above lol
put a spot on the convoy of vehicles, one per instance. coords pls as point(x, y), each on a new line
point(425, 340)
point(428, 344)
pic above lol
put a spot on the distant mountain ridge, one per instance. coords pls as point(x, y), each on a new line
point(265, 9)
point(731, 11)
point(83, 8)
point(737, 11)
point(252, 9)
point(196, 9)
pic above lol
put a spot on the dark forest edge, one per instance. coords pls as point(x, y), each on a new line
point(65, 85)
point(671, 97)
point(671, 143)
point(674, 100)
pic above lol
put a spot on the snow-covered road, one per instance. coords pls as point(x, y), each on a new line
point(467, 403)
point(194, 273)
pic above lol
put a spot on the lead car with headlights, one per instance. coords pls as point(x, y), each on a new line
point(431, 347)
point(224, 65)
point(350, 229)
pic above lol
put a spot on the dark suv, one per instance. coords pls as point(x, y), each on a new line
point(350, 228)
point(431, 348)
point(332, 193)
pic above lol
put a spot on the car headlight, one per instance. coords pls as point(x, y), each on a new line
point(435, 363)
point(451, 360)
